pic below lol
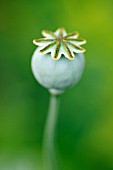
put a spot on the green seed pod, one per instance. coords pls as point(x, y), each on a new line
point(64, 69)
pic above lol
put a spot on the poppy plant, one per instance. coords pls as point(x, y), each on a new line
point(57, 64)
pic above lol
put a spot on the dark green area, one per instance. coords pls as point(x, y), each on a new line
point(85, 125)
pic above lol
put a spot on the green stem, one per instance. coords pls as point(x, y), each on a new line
point(49, 155)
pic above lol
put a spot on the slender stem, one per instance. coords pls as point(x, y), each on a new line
point(49, 155)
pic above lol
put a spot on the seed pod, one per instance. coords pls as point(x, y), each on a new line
point(64, 69)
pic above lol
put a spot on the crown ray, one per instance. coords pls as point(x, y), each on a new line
point(75, 48)
point(67, 53)
point(72, 35)
point(48, 48)
point(76, 41)
point(56, 53)
point(42, 41)
point(60, 31)
point(48, 34)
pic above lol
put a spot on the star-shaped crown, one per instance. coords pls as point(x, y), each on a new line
point(60, 42)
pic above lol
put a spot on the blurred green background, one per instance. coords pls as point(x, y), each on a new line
point(85, 123)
